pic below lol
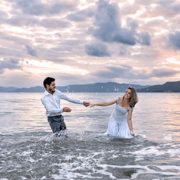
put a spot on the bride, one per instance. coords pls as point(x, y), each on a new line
point(120, 121)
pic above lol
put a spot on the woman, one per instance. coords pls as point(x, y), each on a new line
point(120, 122)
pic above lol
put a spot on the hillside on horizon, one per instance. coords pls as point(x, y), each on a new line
point(166, 87)
point(102, 87)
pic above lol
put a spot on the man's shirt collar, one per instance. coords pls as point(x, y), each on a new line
point(46, 93)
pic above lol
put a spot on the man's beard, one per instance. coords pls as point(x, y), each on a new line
point(52, 90)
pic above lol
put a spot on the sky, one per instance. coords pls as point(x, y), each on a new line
point(81, 41)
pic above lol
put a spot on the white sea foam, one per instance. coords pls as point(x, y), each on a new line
point(156, 151)
point(83, 163)
point(165, 170)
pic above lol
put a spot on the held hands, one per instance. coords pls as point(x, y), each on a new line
point(66, 109)
point(86, 104)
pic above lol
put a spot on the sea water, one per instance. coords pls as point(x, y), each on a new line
point(28, 149)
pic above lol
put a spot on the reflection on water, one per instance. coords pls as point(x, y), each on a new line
point(29, 151)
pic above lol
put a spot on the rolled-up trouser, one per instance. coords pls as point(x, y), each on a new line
point(56, 123)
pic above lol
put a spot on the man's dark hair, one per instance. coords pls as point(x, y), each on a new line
point(48, 81)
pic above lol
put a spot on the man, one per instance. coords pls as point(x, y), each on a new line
point(51, 101)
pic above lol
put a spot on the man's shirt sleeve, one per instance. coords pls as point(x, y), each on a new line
point(67, 98)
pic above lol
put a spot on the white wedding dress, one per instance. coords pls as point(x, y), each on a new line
point(118, 126)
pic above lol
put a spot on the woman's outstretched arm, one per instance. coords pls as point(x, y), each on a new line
point(129, 120)
point(103, 103)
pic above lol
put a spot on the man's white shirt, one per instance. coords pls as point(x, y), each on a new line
point(51, 102)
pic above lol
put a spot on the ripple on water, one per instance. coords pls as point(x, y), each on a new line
point(87, 155)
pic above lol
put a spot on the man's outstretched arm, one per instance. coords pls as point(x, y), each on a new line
point(73, 100)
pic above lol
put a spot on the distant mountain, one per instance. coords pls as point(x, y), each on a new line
point(99, 87)
point(96, 87)
point(31, 89)
point(166, 87)
point(7, 89)
point(102, 87)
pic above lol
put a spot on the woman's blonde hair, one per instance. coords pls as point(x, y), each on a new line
point(134, 98)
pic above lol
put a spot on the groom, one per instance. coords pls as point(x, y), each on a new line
point(51, 101)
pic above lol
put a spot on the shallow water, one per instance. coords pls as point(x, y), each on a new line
point(29, 151)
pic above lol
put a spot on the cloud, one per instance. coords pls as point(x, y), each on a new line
point(122, 71)
point(38, 8)
point(52, 23)
point(127, 72)
point(97, 49)
point(31, 51)
point(81, 15)
point(68, 79)
point(168, 8)
point(33, 7)
point(129, 37)
point(174, 40)
point(20, 79)
point(8, 52)
point(49, 23)
point(13, 46)
point(163, 72)
point(123, 51)
point(108, 28)
point(21, 20)
point(9, 64)
point(144, 39)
